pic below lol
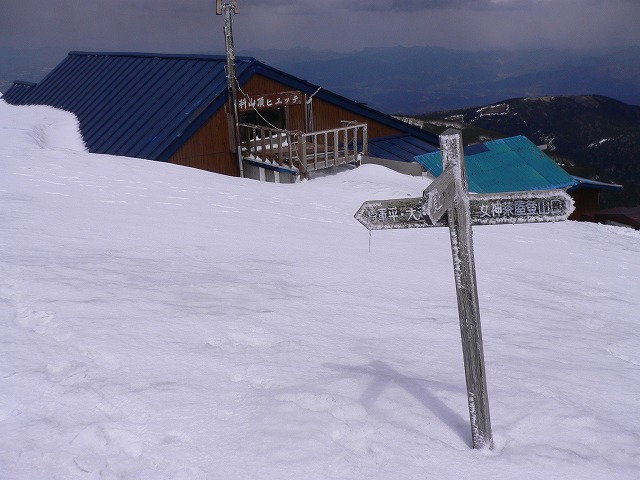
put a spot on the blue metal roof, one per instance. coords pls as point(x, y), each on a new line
point(137, 105)
point(18, 91)
point(588, 183)
point(399, 147)
point(506, 165)
point(148, 105)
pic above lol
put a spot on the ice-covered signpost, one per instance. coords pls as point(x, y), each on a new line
point(449, 193)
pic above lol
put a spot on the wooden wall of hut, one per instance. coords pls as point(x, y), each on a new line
point(259, 85)
point(326, 116)
point(586, 200)
point(208, 148)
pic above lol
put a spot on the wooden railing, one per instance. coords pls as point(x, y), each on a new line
point(305, 152)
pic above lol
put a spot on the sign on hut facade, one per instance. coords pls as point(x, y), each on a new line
point(270, 100)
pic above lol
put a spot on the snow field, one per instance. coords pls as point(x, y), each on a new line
point(166, 323)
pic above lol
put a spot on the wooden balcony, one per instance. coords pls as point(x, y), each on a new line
point(304, 152)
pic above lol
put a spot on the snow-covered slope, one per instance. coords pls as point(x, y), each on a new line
point(160, 322)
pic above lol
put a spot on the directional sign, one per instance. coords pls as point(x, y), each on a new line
point(449, 193)
point(485, 209)
point(520, 207)
point(398, 213)
point(439, 195)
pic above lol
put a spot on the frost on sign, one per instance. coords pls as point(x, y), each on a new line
point(439, 196)
point(485, 209)
point(394, 213)
point(520, 207)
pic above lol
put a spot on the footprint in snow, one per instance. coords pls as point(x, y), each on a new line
point(66, 373)
point(38, 321)
point(626, 350)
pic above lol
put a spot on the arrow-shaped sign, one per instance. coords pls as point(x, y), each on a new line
point(486, 209)
point(439, 196)
point(394, 213)
point(535, 206)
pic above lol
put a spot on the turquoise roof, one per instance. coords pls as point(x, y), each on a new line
point(507, 165)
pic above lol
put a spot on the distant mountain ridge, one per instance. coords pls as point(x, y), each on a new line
point(417, 80)
point(590, 135)
point(28, 64)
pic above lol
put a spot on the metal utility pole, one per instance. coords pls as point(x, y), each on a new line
point(225, 8)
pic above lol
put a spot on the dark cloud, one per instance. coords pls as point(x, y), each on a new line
point(314, 6)
point(311, 6)
point(107, 23)
point(397, 5)
point(192, 26)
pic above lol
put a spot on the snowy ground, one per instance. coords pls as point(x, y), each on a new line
point(160, 322)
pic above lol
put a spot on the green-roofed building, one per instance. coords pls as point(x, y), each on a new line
point(516, 164)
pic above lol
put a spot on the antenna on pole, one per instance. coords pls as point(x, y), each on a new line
point(233, 4)
point(224, 8)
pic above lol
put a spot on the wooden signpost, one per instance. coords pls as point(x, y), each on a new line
point(446, 202)
point(484, 209)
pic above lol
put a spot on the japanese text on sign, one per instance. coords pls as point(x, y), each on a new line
point(270, 100)
point(394, 213)
point(399, 213)
point(519, 207)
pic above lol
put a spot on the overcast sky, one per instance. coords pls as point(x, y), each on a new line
point(172, 26)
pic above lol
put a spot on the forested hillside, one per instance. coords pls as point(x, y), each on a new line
point(590, 136)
